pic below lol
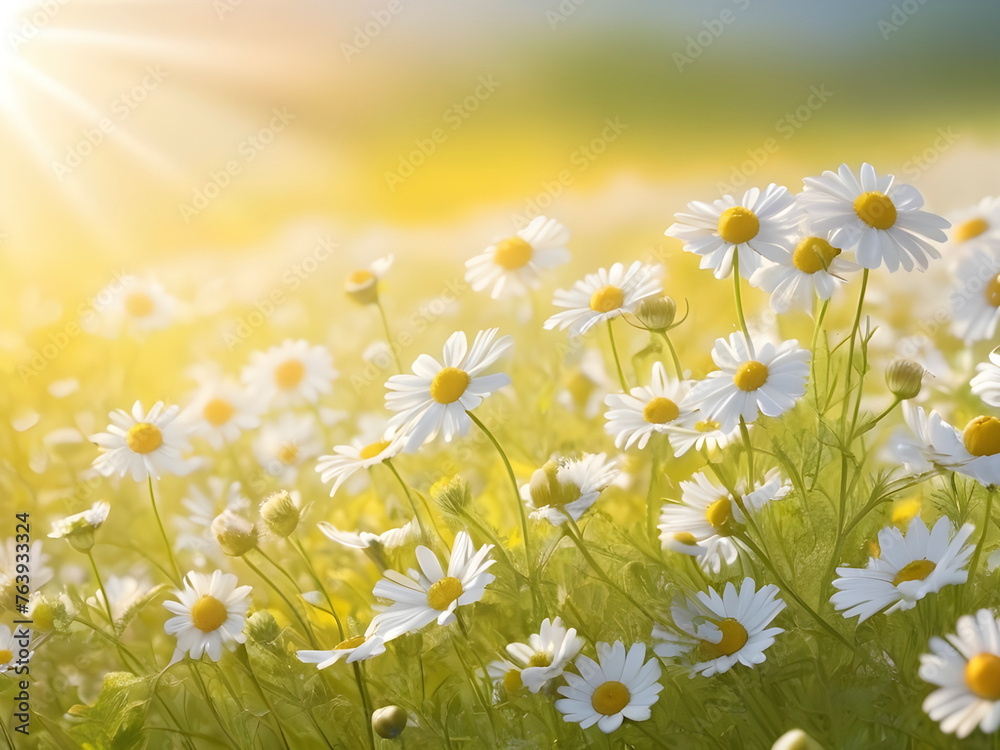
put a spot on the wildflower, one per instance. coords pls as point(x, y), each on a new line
point(812, 270)
point(142, 444)
point(544, 657)
point(568, 487)
point(209, 616)
point(657, 313)
point(387, 540)
point(975, 301)
point(986, 382)
point(220, 412)
point(124, 593)
point(79, 529)
point(973, 452)
point(138, 307)
point(695, 431)
point(512, 265)
point(10, 648)
point(347, 459)
point(290, 374)
point(904, 378)
point(362, 285)
point(603, 296)
point(977, 226)
point(355, 648)
point(286, 443)
point(236, 535)
point(634, 417)
point(280, 513)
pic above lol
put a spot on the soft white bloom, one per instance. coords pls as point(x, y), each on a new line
point(133, 305)
point(603, 296)
point(11, 643)
point(347, 459)
point(361, 285)
point(209, 616)
point(220, 412)
point(567, 488)
point(975, 300)
point(512, 265)
point(812, 270)
point(544, 657)
point(290, 374)
point(632, 418)
point(986, 383)
point(283, 445)
point(92, 518)
point(356, 648)
point(388, 540)
point(142, 444)
point(973, 452)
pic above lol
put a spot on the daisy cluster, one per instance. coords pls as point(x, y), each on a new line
point(555, 509)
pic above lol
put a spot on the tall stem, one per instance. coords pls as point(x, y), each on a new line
point(413, 504)
point(104, 593)
point(673, 355)
point(388, 336)
point(163, 533)
point(618, 364)
point(738, 296)
point(991, 491)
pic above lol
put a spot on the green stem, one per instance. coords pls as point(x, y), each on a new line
point(739, 298)
point(366, 704)
point(751, 477)
point(413, 504)
point(315, 576)
point(307, 630)
point(614, 352)
point(991, 491)
point(163, 533)
point(871, 423)
point(388, 336)
point(673, 355)
point(104, 593)
point(850, 355)
point(812, 349)
point(211, 703)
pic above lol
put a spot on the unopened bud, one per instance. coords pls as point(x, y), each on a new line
point(796, 739)
point(235, 534)
point(362, 287)
point(451, 494)
point(280, 513)
point(262, 627)
point(657, 313)
point(389, 722)
point(904, 377)
point(544, 486)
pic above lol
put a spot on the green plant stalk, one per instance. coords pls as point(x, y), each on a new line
point(614, 352)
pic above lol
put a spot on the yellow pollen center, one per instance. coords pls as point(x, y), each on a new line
point(606, 299)
point(373, 449)
point(512, 681)
point(350, 643)
point(610, 698)
point(512, 253)
point(814, 254)
point(443, 592)
point(289, 374)
point(707, 425)
point(685, 537)
point(143, 437)
point(660, 410)
point(992, 291)
point(360, 277)
point(449, 385)
point(208, 614)
point(982, 676)
point(917, 570)
point(540, 659)
point(970, 229)
point(734, 637)
point(875, 209)
point(5, 656)
point(139, 305)
point(218, 411)
point(738, 225)
point(982, 436)
point(750, 375)
point(720, 514)
point(288, 453)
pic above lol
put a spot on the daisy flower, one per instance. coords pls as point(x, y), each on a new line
point(604, 295)
point(79, 528)
point(767, 379)
point(655, 408)
point(138, 306)
point(387, 540)
point(757, 226)
point(142, 444)
point(209, 616)
point(431, 593)
point(703, 523)
point(812, 270)
point(694, 431)
point(907, 569)
point(124, 593)
point(285, 444)
point(290, 374)
point(10, 648)
point(512, 265)
point(966, 668)
point(544, 657)
point(973, 452)
point(975, 301)
point(362, 285)
point(219, 412)
point(986, 383)
point(347, 459)
point(566, 488)
point(877, 216)
point(619, 685)
point(717, 632)
point(356, 648)
point(977, 225)
point(437, 396)
point(194, 526)
point(503, 672)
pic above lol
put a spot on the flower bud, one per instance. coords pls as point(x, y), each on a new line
point(362, 287)
point(79, 529)
point(235, 534)
point(796, 739)
point(389, 722)
point(657, 313)
point(262, 627)
point(280, 513)
point(904, 377)
point(452, 494)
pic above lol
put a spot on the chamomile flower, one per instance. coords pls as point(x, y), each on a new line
point(387, 540)
point(432, 593)
point(986, 383)
point(356, 648)
point(10, 648)
point(285, 444)
point(973, 451)
point(290, 374)
point(503, 672)
point(975, 301)
point(142, 444)
point(220, 412)
point(347, 459)
point(435, 399)
point(201, 509)
point(757, 226)
point(751, 379)
point(512, 265)
point(134, 305)
point(544, 657)
point(124, 594)
point(966, 668)
point(80, 527)
point(603, 296)
point(567, 488)
point(977, 226)
point(876, 215)
point(209, 616)
point(908, 568)
point(717, 632)
point(812, 270)
point(361, 285)
point(694, 431)
point(655, 408)
point(619, 685)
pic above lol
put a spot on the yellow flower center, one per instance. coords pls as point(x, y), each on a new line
point(373, 449)
point(443, 592)
point(750, 375)
point(685, 537)
point(917, 570)
point(610, 698)
point(738, 225)
point(218, 411)
point(208, 614)
point(606, 299)
point(360, 277)
point(353, 642)
point(512, 253)
point(5, 656)
point(540, 659)
point(288, 453)
point(992, 291)
point(982, 436)
point(512, 681)
point(143, 437)
point(139, 305)
point(970, 229)
point(707, 425)
point(982, 676)
point(875, 209)
point(734, 637)
point(289, 374)
point(449, 384)
point(660, 410)
point(720, 515)
point(814, 254)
